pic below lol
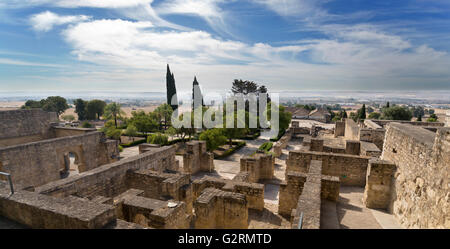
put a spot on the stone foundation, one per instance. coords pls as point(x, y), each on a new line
point(219, 209)
point(377, 193)
point(259, 167)
point(197, 159)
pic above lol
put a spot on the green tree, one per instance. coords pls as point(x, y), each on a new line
point(80, 109)
point(68, 117)
point(354, 116)
point(51, 104)
point(113, 111)
point(235, 132)
point(86, 124)
point(163, 114)
point(396, 113)
point(131, 131)
point(144, 122)
point(95, 109)
point(214, 138)
point(419, 118)
point(171, 89)
point(362, 112)
point(374, 115)
point(31, 104)
point(433, 118)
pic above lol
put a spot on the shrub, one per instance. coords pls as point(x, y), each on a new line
point(86, 124)
point(214, 138)
point(266, 146)
point(120, 148)
point(158, 138)
point(137, 142)
point(232, 150)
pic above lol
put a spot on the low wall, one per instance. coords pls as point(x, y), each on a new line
point(339, 129)
point(350, 169)
point(109, 180)
point(46, 212)
point(217, 209)
point(375, 136)
point(413, 123)
point(38, 163)
point(421, 184)
point(259, 167)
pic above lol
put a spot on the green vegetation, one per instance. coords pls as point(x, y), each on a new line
point(51, 104)
point(171, 88)
point(396, 113)
point(158, 138)
point(120, 148)
point(86, 124)
point(134, 143)
point(68, 117)
point(432, 118)
point(113, 111)
point(230, 151)
point(266, 146)
point(374, 115)
point(214, 138)
point(95, 109)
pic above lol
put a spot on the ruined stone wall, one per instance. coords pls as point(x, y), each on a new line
point(339, 129)
point(350, 169)
point(413, 123)
point(69, 131)
point(377, 193)
point(259, 167)
point(109, 180)
point(25, 126)
point(254, 192)
point(282, 143)
point(352, 147)
point(351, 130)
point(221, 210)
point(420, 188)
point(38, 163)
point(197, 158)
point(309, 201)
point(162, 185)
point(290, 190)
point(370, 149)
point(46, 212)
point(373, 136)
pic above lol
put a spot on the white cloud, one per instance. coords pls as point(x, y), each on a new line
point(9, 61)
point(46, 20)
point(76, 3)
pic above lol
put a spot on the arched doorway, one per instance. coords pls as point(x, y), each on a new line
point(71, 164)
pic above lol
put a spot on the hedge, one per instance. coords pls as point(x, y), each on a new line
point(137, 142)
point(266, 146)
point(251, 136)
point(239, 145)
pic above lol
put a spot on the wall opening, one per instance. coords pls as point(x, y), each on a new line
point(70, 167)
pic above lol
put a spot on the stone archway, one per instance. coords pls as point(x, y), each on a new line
point(71, 161)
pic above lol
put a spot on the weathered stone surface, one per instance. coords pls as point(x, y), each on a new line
point(220, 209)
point(197, 158)
point(254, 192)
point(259, 166)
point(42, 211)
point(420, 191)
point(377, 193)
point(350, 169)
point(339, 129)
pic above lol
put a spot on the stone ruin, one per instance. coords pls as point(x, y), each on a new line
point(408, 177)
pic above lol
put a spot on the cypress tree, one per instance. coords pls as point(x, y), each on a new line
point(196, 87)
point(362, 112)
point(171, 89)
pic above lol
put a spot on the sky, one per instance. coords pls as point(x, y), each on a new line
point(287, 45)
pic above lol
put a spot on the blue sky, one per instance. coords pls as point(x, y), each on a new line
point(124, 45)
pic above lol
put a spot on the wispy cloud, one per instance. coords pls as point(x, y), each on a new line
point(45, 21)
point(14, 62)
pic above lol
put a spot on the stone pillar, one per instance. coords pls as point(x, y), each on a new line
point(353, 147)
point(339, 129)
point(316, 145)
point(377, 193)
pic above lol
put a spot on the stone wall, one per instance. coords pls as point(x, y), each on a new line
point(38, 163)
point(197, 158)
point(69, 131)
point(420, 188)
point(352, 147)
point(25, 126)
point(162, 186)
point(309, 202)
point(46, 212)
point(221, 210)
point(109, 180)
point(149, 212)
point(375, 136)
point(351, 130)
point(383, 123)
point(370, 149)
point(377, 193)
point(282, 143)
point(339, 129)
point(254, 192)
point(259, 166)
point(350, 169)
